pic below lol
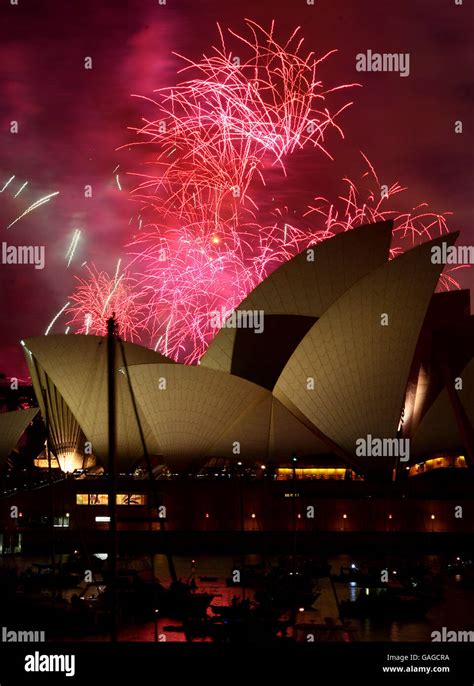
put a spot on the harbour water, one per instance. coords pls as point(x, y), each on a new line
point(454, 610)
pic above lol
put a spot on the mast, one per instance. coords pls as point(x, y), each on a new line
point(51, 490)
point(294, 460)
point(112, 491)
point(156, 496)
point(242, 529)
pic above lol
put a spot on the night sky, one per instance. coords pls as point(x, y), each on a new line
point(72, 120)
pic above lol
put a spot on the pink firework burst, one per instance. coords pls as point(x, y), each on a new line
point(185, 277)
point(202, 244)
point(99, 296)
point(217, 134)
point(369, 202)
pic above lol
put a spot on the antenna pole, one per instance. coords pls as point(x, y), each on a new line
point(112, 475)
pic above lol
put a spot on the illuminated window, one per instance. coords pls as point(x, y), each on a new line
point(43, 462)
point(131, 499)
point(92, 499)
point(103, 499)
point(98, 499)
point(437, 463)
point(338, 473)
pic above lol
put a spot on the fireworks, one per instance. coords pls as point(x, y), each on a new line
point(370, 202)
point(33, 206)
point(72, 247)
point(7, 183)
point(99, 296)
point(55, 318)
point(202, 242)
point(216, 133)
point(185, 277)
point(22, 187)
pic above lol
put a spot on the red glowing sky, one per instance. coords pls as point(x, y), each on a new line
point(72, 120)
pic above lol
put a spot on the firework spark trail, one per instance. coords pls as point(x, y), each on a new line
point(370, 205)
point(117, 280)
point(87, 323)
point(20, 189)
point(7, 183)
point(55, 318)
point(72, 247)
point(32, 207)
point(35, 205)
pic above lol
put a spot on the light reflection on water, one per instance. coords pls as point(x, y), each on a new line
point(455, 610)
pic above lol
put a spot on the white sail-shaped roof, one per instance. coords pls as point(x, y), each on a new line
point(360, 351)
point(193, 416)
point(342, 378)
point(201, 413)
point(310, 282)
point(12, 425)
point(307, 286)
point(77, 366)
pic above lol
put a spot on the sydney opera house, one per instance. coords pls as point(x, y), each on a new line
point(354, 398)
